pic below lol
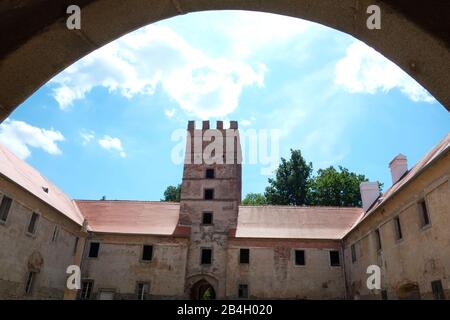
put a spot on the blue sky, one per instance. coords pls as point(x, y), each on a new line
point(103, 126)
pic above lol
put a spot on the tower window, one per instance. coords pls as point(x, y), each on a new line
point(244, 256)
point(398, 228)
point(207, 218)
point(299, 257)
point(424, 217)
point(33, 223)
point(209, 173)
point(209, 194)
point(4, 208)
point(93, 249)
point(243, 291)
point(147, 253)
point(334, 258)
point(378, 239)
point(206, 256)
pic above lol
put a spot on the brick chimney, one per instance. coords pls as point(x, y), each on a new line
point(398, 166)
point(369, 194)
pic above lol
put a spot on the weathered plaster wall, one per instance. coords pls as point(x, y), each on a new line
point(119, 267)
point(21, 252)
point(422, 256)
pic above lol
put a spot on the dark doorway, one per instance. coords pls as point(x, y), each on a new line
point(202, 290)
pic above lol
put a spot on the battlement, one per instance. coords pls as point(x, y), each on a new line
point(206, 125)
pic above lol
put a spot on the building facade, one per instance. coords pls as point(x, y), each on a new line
point(209, 246)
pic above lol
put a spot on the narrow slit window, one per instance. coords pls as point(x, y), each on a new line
point(29, 283)
point(55, 234)
point(398, 228)
point(86, 289)
point(378, 239)
point(33, 223)
point(4, 208)
point(143, 289)
point(353, 249)
point(424, 216)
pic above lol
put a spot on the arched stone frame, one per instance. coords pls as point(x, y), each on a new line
point(193, 280)
point(408, 291)
point(53, 47)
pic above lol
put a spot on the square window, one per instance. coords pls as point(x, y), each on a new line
point(299, 257)
point(33, 223)
point(209, 194)
point(353, 249)
point(243, 291)
point(209, 174)
point(378, 239)
point(334, 258)
point(438, 291)
point(424, 217)
point(206, 256)
point(147, 253)
point(143, 289)
point(4, 208)
point(207, 218)
point(244, 256)
point(398, 228)
point(86, 289)
point(93, 249)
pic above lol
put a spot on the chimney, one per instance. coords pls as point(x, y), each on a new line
point(205, 125)
point(398, 166)
point(191, 125)
point(219, 125)
point(369, 194)
point(233, 124)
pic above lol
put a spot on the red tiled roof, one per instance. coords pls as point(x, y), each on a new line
point(20, 172)
point(292, 222)
point(131, 217)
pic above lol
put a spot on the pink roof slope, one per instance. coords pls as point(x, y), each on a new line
point(130, 217)
point(291, 222)
point(30, 179)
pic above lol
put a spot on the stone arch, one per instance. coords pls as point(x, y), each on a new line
point(197, 285)
point(46, 46)
point(409, 291)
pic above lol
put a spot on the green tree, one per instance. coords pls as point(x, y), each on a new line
point(290, 185)
point(254, 199)
point(333, 187)
point(172, 193)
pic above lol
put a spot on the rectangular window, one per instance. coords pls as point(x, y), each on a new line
point(243, 291)
point(209, 194)
point(55, 233)
point(4, 208)
point(86, 289)
point(299, 257)
point(398, 228)
point(147, 253)
point(209, 173)
point(143, 289)
point(33, 223)
point(207, 218)
point(438, 291)
point(244, 256)
point(334, 258)
point(206, 256)
point(378, 239)
point(29, 283)
point(424, 217)
point(93, 249)
point(75, 246)
point(353, 249)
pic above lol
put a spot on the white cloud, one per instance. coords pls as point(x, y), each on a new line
point(18, 136)
point(110, 143)
point(365, 70)
point(169, 113)
point(202, 85)
point(87, 136)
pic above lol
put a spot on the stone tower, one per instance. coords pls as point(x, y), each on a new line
point(210, 196)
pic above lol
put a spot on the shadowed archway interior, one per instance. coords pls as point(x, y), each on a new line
point(202, 290)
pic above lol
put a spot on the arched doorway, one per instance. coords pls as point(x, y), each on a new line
point(202, 290)
point(409, 291)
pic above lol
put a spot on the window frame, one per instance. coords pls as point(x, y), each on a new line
point(246, 290)
point(35, 226)
point(8, 211)
point(211, 219)
point(304, 257)
point(210, 258)
point(397, 228)
point(138, 294)
point(90, 247)
point(339, 258)
point(207, 176)
point(241, 251)
point(205, 192)
point(378, 243)
point(151, 254)
point(91, 289)
point(353, 252)
point(55, 234)
point(422, 204)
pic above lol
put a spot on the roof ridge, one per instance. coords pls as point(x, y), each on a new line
point(300, 207)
